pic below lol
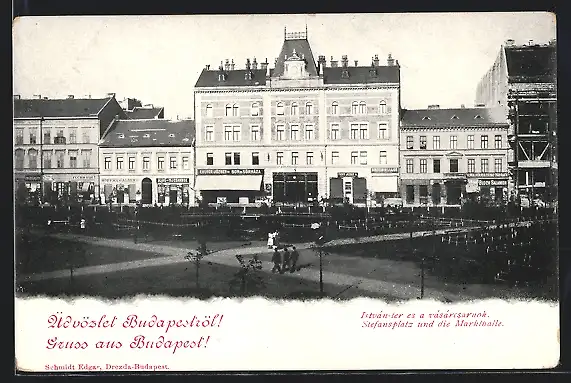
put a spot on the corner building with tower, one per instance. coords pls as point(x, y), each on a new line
point(300, 132)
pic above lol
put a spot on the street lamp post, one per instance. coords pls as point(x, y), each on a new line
point(320, 240)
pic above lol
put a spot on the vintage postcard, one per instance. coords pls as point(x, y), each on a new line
point(353, 191)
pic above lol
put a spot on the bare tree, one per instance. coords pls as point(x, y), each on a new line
point(248, 276)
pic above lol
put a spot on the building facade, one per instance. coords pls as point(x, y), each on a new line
point(522, 80)
point(298, 133)
point(450, 155)
point(55, 147)
point(148, 161)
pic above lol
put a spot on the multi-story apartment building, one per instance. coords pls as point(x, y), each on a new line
point(299, 132)
point(448, 155)
point(148, 161)
point(55, 147)
point(522, 80)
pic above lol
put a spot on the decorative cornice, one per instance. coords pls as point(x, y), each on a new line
point(420, 128)
point(340, 88)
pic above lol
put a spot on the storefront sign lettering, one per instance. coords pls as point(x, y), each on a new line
point(385, 170)
point(493, 182)
point(455, 175)
point(488, 175)
point(348, 174)
point(172, 180)
point(116, 180)
point(230, 172)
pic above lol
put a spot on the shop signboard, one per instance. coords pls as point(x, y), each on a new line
point(118, 180)
point(230, 172)
point(382, 170)
point(472, 186)
point(173, 180)
point(493, 182)
point(488, 175)
point(347, 174)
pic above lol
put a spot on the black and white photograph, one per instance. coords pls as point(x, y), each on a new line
point(295, 158)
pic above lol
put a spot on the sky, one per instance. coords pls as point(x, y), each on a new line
point(158, 59)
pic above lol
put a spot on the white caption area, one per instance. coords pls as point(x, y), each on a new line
point(259, 334)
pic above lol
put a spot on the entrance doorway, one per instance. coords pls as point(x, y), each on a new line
point(146, 191)
point(173, 194)
point(436, 193)
point(453, 192)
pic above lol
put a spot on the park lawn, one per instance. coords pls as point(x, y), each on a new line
point(179, 281)
point(50, 254)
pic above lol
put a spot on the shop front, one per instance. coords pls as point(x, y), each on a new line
point(119, 190)
point(70, 188)
point(230, 186)
point(28, 188)
point(173, 191)
point(384, 184)
point(454, 188)
point(297, 188)
point(348, 187)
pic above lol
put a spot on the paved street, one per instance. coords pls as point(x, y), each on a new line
point(353, 275)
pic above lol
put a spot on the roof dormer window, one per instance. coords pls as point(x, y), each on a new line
point(426, 118)
point(121, 135)
point(478, 117)
point(454, 118)
point(171, 135)
point(146, 135)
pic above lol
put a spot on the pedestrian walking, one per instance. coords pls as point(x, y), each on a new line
point(294, 257)
point(277, 260)
point(270, 240)
point(286, 260)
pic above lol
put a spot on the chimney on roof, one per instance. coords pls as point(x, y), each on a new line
point(433, 106)
point(226, 64)
point(207, 67)
point(344, 61)
point(71, 96)
point(264, 65)
point(397, 63)
point(376, 60)
point(509, 42)
point(232, 65)
point(462, 106)
point(356, 63)
point(254, 64)
point(480, 105)
point(39, 96)
point(248, 65)
point(530, 42)
point(333, 63)
point(110, 94)
point(321, 60)
point(390, 60)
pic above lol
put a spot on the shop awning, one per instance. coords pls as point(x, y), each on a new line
point(228, 182)
point(384, 185)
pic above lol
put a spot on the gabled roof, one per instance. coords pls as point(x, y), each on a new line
point(71, 107)
point(362, 75)
point(456, 117)
point(209, 78)
point(141, 113)
point(302, 49)
point(534, 63)
point(149, 133)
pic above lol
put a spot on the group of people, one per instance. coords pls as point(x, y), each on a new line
point(282, 262)
point(286, 261)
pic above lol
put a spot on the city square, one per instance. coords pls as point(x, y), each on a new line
point(302, 177)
